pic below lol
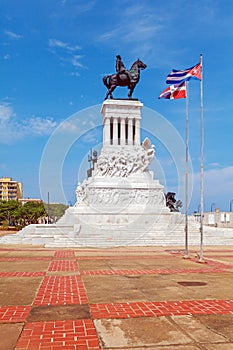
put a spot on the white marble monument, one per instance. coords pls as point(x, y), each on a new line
point(121, 187)
point(121, 203)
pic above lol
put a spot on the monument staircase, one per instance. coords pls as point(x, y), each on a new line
point(54, 235)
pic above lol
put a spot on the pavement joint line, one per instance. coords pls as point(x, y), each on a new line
point(123, 257)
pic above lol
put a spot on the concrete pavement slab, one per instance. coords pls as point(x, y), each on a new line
point(32, 265)
point(9, 334)
point(221, 324)
point(138, 262)
point(130, 333)
point(18, 291)
point(157, 287)
point(198, 331)
point(219, 346)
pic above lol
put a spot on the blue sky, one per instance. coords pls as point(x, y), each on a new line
point(54, 54)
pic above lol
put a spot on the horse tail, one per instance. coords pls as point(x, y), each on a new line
point(106, 81)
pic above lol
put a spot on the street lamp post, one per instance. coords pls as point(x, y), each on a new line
point(212, 205)
point(48, 219)
point(231, 205)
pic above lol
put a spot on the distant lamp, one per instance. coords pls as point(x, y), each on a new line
point(231, 205)
point(212, 206)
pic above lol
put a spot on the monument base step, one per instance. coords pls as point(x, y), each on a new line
point(155, 233)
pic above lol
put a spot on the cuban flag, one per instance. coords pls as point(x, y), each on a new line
point(179, 76)
point(174, 92)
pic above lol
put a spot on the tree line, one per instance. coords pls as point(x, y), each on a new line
point(15, 214)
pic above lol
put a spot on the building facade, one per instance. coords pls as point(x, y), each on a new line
point(10, 190)
point(216, 218)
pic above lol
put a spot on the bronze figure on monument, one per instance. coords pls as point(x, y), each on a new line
point(123, 77)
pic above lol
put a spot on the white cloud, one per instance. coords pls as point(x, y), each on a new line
point(92, 137)
point(13, 35)
point(77, 8)
point(219, 182)
point(40, 126)
point(6, 112)
point(12, 130)
point(214, 165)
point(6, 56)
point(76, 126)
point(137, 25)
point(75, 74)
point(69, 126)
point(218, 185)
point(76, 62)
point(62, 45)
point(66, 53)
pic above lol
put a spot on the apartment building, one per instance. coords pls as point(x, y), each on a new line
point(10, 190)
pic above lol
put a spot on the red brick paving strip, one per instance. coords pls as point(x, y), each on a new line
point(165, 308)
point(67, 335)
point(22, 274)
point(63, 265)
point(64, 254)
point(135, 309)
point(26, 258)
point(148, 272)
point(14, 313)
point(61, 290)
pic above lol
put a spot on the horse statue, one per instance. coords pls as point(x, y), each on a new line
point(129, 78)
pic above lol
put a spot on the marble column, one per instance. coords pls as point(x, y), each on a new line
point(115, 131)
point(130, 131)
point(137, 132)
point(106, 133)
point(122, 141)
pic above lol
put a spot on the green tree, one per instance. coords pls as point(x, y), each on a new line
point(8, 211)
point(56, 210)
point(30, 212)
point(17, 214)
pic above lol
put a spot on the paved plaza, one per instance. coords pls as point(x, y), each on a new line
point(121, 298)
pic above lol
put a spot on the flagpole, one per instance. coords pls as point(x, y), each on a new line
point(201, 163)
point(186, 171)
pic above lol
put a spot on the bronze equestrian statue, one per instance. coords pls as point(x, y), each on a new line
point(123, 77)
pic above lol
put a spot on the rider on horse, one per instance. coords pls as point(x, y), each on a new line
point(120, 68)
point(123, 77)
